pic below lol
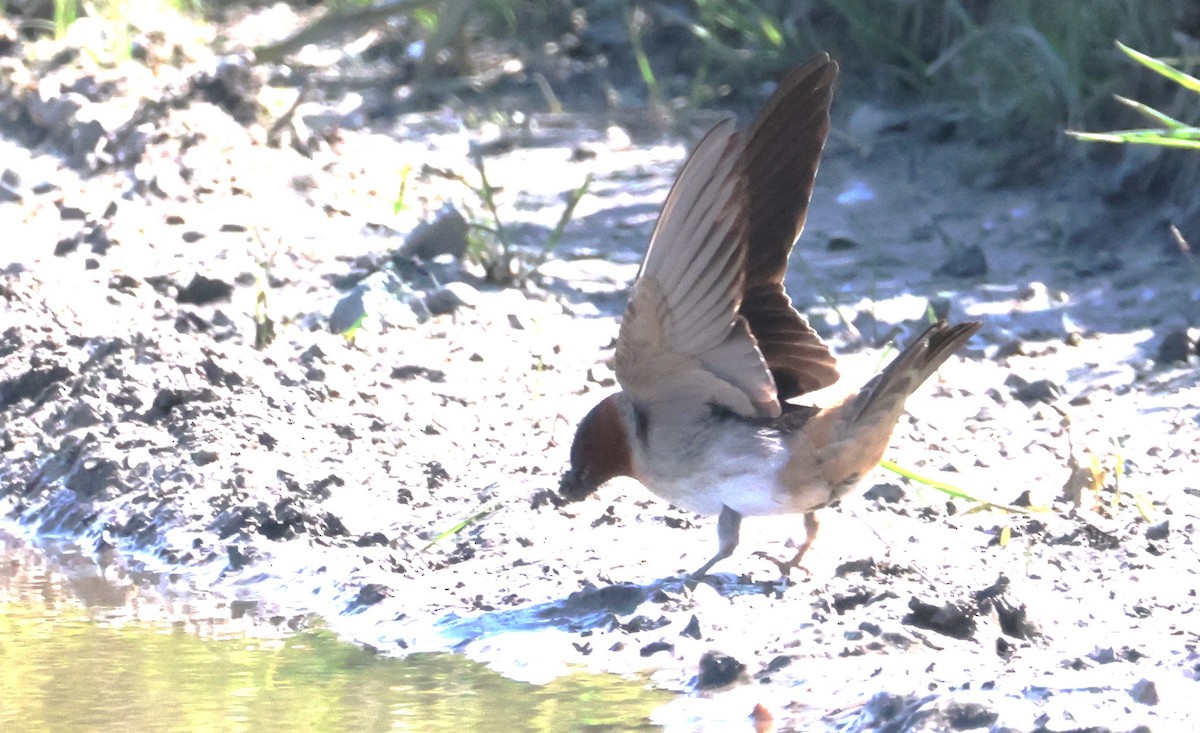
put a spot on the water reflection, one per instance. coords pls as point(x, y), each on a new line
point(67, 664)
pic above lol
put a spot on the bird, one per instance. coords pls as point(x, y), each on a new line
point(711, 352)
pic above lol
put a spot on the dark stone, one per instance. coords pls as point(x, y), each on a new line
point(444, 235)
point(948, 619)
point(655, 647)
point(1145, 692)
point(203, 290)
point(31, 384)
point(692, 629)
point(1043, 390)
point(966, 716)
point(966, 262)
point(1175, 348)
point(1159, 531)
point(237, 558)
point(886, 493)
point(368, 595)
point(621, 600)
point(204, 457)
point(411, 371)
point(718, 670)
point(843, 602)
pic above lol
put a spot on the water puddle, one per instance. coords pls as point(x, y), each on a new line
point(108, 659)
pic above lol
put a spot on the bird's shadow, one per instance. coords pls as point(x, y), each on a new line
point(591, 608)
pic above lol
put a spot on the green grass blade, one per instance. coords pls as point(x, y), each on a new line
point(633, 26)
point(771, 32)
point(1186, 81)
point(398, 204)
point(1165, 120)
point(1185, 138)
point(463, 524)
point(1144, 507)
point(951, 490)
point(568, 212)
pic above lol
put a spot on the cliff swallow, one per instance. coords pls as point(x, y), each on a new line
point(711, 349)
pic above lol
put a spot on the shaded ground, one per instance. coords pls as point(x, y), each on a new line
point(313, 475)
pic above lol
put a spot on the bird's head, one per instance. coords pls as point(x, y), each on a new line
point(599, 452)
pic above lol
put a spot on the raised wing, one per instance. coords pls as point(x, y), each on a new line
point(682, 340)
point(783, 150)
point(709, 320)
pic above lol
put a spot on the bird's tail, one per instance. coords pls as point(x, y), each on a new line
point(913, 366)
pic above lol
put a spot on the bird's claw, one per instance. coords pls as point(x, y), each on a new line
point(785, 566)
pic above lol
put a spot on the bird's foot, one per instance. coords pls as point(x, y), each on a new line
point(785, 566)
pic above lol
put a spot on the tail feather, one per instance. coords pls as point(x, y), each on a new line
point(915, 364)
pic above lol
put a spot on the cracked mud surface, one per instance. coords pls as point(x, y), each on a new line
point(313, 476)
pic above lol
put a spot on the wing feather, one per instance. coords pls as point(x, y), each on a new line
point(709, 321)
point(783, 150)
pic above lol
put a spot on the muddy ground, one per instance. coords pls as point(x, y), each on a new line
point(322, 474)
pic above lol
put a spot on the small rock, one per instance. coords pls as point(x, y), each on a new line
point(348, 311)
point(203, 290)
point(1174, 348)
point(1015, 347)
point(1043, 390)
point(412, 371)
point(888, 493)
point(1145, 692)
point(237, 558)
point(583, 151)
point(450, 297)
point(1103, 656)
point(967, 262)
point(843, 602)
point(368, 595)
point(692, 629)
point(67, 245)
point(947, 619)
point(1014, 619)
point(640, 623)
point(655, 647)
point(445, 234)
point(371, 539)
point(1159, 531)
point(10, 182)
point(239, 609)
point(718, 670)
point(886, 711)
point(204, 457)
point(969, 715)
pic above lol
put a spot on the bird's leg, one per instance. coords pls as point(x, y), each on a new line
point(728, 525)
point(811, 525)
